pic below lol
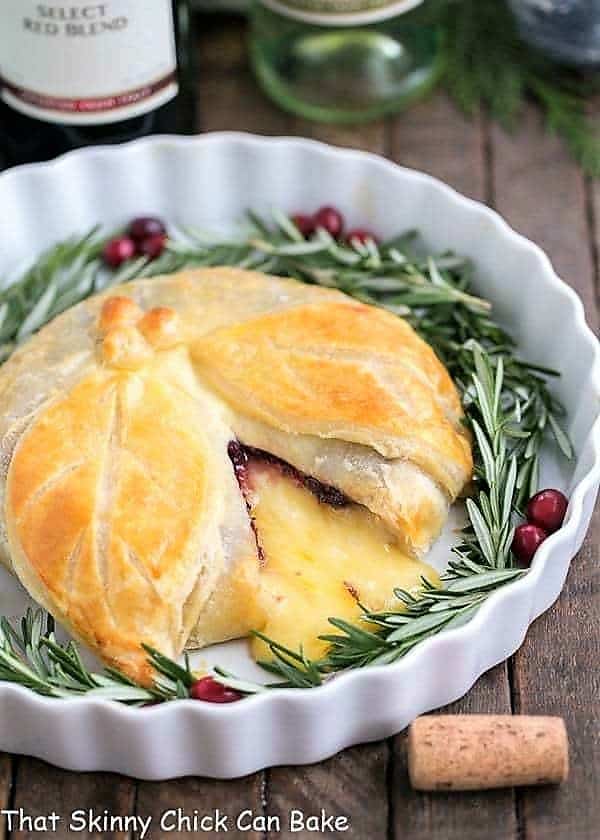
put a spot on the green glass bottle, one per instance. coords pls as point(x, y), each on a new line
point(343, 60)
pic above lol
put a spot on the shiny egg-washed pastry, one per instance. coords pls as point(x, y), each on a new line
point(121, 512)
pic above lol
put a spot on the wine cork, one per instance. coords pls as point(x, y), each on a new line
point(475, 752)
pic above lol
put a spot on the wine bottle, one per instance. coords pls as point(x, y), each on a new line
point(78, 72)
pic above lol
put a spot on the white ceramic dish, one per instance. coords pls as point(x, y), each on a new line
point(209, 181)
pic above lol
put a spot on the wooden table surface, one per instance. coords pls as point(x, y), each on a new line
point(530, 179)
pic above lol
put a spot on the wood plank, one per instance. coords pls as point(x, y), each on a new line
point(221, 43)
point(542, 193)
point(556, 672)
point(6, 779)
point(236, 104)
point(229, 96)
point(41, 789)
point(372, 137)
point(195, 795)
point(455, 816)
point(351, 784)
point(436, 138)
point(593, 207)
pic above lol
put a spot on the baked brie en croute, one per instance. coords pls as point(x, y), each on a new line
point(187, 458)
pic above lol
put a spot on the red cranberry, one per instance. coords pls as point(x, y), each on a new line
point(146, 226)
point(117, 251)
point(304, 223)
point(547, 509)
point(331, 220)
point(152, 246)
point(526, 541)
point(360, 235)
point(211, 691)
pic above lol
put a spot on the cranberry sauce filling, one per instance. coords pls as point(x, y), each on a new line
point(239, 459)
point(241, 455)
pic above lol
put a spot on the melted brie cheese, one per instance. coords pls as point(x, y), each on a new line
point(319, 561)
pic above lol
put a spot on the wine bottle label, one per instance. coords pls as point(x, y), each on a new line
point(341, 12)
point(86, 63)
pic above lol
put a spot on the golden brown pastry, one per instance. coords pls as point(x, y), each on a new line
point(121, 512)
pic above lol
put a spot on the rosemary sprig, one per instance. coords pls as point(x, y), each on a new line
point(31, 656)
point(507, 401)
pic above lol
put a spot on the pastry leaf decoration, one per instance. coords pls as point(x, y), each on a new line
point(508, 405)
point(91, 508)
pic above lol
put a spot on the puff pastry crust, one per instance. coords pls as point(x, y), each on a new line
point(120, 510)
